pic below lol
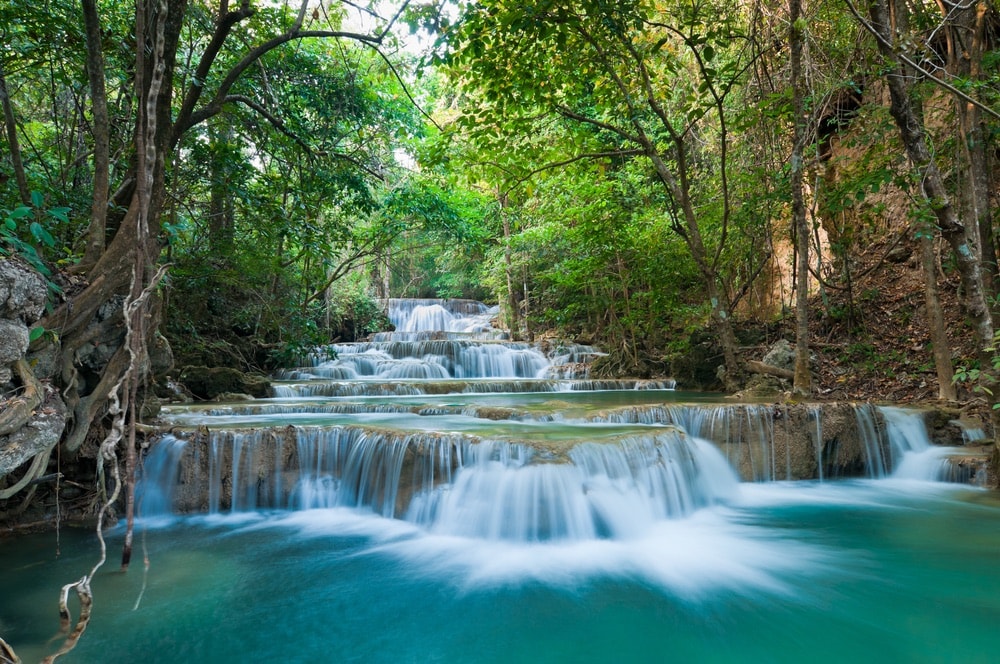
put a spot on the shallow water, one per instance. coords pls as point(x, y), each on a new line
point(635, 543)
point(861, 571)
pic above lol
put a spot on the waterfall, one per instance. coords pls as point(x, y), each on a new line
point(913, 455)
point(607, 491)
point(417, 315)
point(158, 477)
point(461, 485)
point(437, 424)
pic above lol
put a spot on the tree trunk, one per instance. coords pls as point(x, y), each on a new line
point(914, 139)
point(101, 133)
point(513, 313)
point(220, 205)
point(10, 120)
point(935, 320)
point(965, 55)
point(710, 277)
point(802, 383)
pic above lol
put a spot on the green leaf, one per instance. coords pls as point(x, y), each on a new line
point(35, 333)
point(41, 235)
point(37, 199)
point(60, 214)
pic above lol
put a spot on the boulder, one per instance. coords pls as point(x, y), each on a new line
point(22, 291)
point(781, 355)
point(209, 382)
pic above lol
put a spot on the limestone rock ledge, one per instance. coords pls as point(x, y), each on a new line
point(32, 415)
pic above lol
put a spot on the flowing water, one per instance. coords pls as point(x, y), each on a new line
point(451, 521)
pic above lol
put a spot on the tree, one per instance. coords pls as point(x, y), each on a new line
point(796, 38)
point(184, 64)
point(914, 136)
point(640, 76)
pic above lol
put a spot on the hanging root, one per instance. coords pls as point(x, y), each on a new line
point(7, 654)
point(66, 618)
point(36, 471)
point(83, 592)
point(17, 412)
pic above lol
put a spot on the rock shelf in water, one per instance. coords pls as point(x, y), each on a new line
point(466, 435)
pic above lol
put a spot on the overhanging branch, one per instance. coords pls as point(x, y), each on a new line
point(911, 63)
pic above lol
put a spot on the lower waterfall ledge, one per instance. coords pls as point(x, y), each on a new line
point(212, 469)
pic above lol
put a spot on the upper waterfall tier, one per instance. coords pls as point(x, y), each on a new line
point(437, 340)
point(463, 316)
point(420, 360)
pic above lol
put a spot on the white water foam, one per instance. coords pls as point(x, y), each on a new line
point(691, 559)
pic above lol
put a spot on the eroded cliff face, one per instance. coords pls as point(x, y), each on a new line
point(32, 414)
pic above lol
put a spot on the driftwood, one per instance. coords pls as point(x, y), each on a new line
point(761, 368)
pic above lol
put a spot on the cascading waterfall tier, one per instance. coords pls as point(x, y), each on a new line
point(439, 340)
point(450, 483)
point(658, 460)
point(447, 425)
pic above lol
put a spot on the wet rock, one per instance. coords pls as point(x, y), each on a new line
point(45, 361)
point(41, 433)
point(697, 368)
point(161, 355)
point(13, 341)
point(233, 396)
point(209, 382)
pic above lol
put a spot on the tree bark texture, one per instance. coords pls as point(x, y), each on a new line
point(101, 133)
point(913, 135)
point(14, 145)
point(802, 382)
point(935, 321)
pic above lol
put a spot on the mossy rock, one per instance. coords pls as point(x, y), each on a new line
point(209, 382)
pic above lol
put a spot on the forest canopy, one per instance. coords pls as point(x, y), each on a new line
point(659, 177)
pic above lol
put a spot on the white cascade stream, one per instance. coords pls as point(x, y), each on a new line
point(382, 428)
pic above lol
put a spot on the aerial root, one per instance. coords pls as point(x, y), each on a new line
point(18, 412)
point(7, 654)
point(66, 617)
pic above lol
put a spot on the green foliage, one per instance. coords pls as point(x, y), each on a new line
point(983, 381)
point(23, 233)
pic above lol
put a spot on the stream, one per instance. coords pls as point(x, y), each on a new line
point(439, 494)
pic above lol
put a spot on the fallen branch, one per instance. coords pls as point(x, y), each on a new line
point(761, 368)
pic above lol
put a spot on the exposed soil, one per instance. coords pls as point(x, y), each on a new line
point(872, 342)
point(881, 328)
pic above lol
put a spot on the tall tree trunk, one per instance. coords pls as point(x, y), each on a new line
point(935, 320)
point(802, 383)
point(513, 313)
point(914, 139)
point(966, 46)
point(14, 145)
point(691, 234)
point(101, 133)
point(220, 204)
